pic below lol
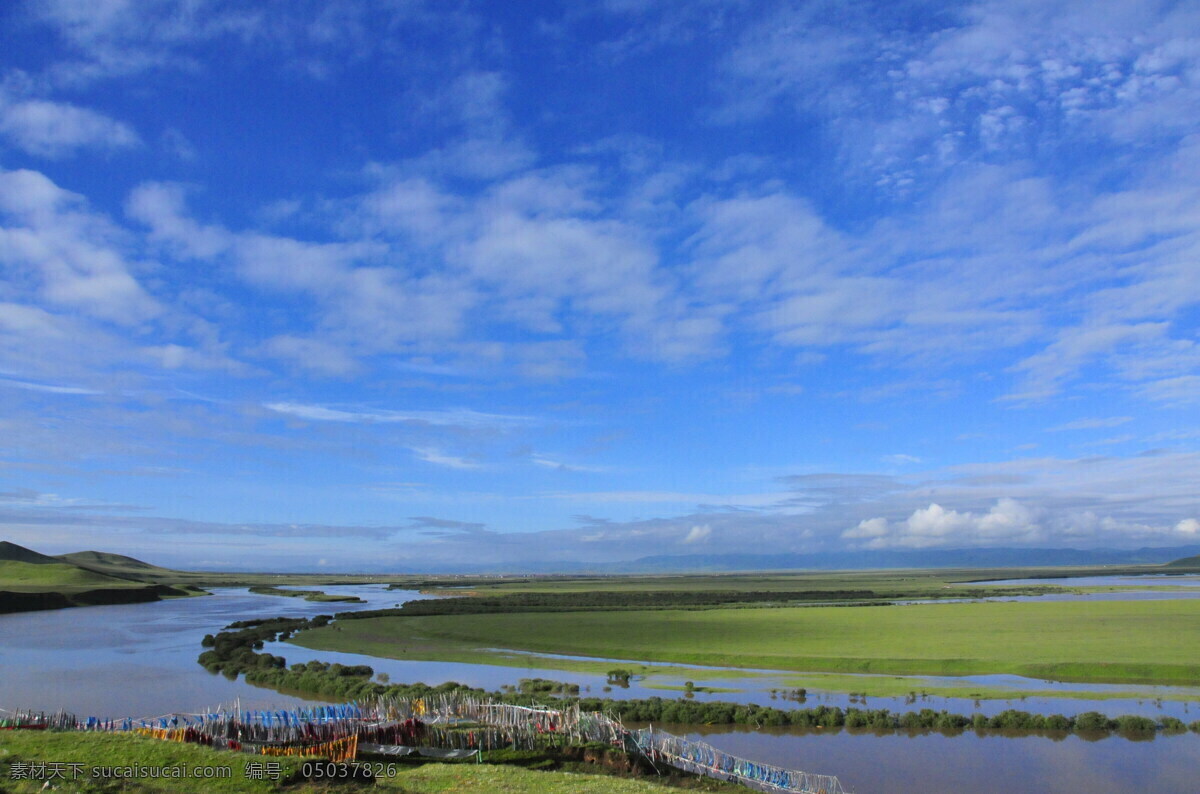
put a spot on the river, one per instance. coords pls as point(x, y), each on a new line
point(139, 660)
point(992, 764)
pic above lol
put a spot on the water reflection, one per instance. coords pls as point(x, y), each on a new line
point(991, 764)
point(1143, 580)
point(140, 659)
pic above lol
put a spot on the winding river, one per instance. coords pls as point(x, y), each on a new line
point(139, 660)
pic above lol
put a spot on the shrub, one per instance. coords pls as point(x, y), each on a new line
point(1057, 722)
point(1131, 725)
point(1172, 725)
point(1092, 721)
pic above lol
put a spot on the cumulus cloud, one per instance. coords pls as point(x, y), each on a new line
point(868, 528)
point(697, 534)
point(1188, 526)
point(1007, 522)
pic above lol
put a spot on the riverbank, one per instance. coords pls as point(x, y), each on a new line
point(12, 601)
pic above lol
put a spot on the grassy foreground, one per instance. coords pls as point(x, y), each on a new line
point(1147, 642)
point(19, 750)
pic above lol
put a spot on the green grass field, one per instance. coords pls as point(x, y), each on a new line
point(20, 751)
point(914, 583)
point(1099, 641)
point(30, 576)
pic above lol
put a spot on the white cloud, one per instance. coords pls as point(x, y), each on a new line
point(1188, 526)
point(116, 38)
point(697, 534)
point(530, 253)
point(1007, 522)
point(462, 417)
point(868, 528)
point(558, 465)
point(990, 80)
point(57, 129)
point(75, 257)
point(47, 388)
point(1184, 389)
point(313, 355)
point(901, 458)
point(439, 458)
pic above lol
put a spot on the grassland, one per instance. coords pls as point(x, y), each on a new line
point(910, 583)
point(33, 581)
point(27, 576)
point(22, 750)
point(1100, 641)
point(907, 583)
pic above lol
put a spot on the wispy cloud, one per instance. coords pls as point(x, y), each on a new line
point(47, 388)
point(667, 497)
point(548, 462)
point(439, 458)
point(901, 458)
point(455, 417)
point(447, 528)
point(1092, 423)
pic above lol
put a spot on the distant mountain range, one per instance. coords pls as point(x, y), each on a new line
point(849, 560)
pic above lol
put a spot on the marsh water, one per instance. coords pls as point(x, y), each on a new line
point(139, 660)
point(1144, 580)
point(993, 764)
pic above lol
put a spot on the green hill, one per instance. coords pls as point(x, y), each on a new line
point(27, 570)
point(31, 581)
point(1186, 562)
point(11, 552)
point(113, 564)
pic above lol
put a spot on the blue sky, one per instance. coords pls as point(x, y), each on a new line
point(353, 285)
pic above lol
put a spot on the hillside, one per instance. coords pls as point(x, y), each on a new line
point(114, 564)
point(30, 580)
point(11, 552)
point(56, 575)
point(1186, 562)
point(26, 569)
